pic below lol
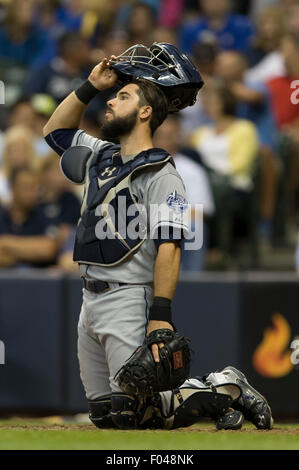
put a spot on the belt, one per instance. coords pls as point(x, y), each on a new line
point(96, 286)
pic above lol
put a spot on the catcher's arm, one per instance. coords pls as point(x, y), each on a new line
point(166, 275)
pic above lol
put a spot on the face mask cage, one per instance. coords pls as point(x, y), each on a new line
point(154, 56)
point(181, 89)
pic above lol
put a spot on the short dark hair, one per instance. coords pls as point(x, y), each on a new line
point(152, 95)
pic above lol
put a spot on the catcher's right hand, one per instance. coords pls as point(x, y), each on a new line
point(102, 76)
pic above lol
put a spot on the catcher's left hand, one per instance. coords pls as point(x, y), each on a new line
point(141, 375)
point(157, 325)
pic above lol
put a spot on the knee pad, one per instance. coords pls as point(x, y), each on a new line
point(99, 412)
point(124, 409)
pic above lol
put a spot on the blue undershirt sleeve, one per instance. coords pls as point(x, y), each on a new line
point(60, 139)
point(176, 235)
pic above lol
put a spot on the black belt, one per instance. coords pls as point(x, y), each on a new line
point(96, 286)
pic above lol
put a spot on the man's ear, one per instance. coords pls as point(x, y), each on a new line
point(145, 112)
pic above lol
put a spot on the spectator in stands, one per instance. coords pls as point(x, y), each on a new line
point(115, 43)
point(65, 72)
point(258, 5)
point(59, 17)
point(32, 112)
point(170, 13)
point(22, 40)
point(254, 104)
point(196, 181)
point(18, 151)
point(65, 258)
point(92, 19)
point(26, 236)
point(21, 113)
point(285, 95)
point(293, 21)
point(264, 55)
point(228, 148)
point(283, 90)
point(58, 201)
point(204, 55)
point(124, 11)
point(43, 106)
point(288, 5)
point(141, 24)
point(162, 34)
point(230, 30)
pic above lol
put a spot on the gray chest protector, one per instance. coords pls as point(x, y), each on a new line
point(102, 237)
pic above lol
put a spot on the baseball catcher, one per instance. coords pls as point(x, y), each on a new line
point(130, 275)
point(164, 65)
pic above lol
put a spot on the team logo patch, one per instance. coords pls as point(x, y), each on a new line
point(176, 202)
point(177, 360)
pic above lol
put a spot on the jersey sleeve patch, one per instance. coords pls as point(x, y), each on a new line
point(177, 202)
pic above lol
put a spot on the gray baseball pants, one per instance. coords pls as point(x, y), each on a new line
point(111, 326)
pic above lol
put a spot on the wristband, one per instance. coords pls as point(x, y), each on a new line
point(86, 92)
point(160, 310)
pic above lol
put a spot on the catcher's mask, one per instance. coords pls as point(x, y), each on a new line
point(164, 65)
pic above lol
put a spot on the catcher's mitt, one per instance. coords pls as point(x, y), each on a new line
point(141, 375)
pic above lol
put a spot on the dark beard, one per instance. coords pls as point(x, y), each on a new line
point(118, 127)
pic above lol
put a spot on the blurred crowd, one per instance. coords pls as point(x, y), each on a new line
point(237, 148)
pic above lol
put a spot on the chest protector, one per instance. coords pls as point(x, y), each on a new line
point(101, 239)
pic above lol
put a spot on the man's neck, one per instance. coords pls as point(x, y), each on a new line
point(133, 144)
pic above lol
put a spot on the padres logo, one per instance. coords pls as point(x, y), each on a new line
point(176, 202)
